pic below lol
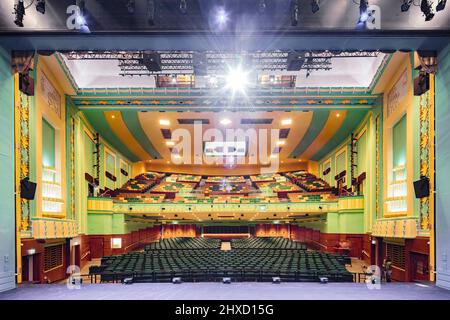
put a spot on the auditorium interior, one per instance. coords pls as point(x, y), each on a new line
point(127, 161)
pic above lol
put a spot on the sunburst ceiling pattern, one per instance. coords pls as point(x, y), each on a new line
point(307, 135)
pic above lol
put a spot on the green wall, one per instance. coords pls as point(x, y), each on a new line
point(48, 144)
point(7, 212)
point(443, 169)
point(399, 143)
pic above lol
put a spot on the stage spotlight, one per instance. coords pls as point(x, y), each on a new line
point(174, 79)
point(441, 5)
point(151, 12)
point(40, 6)
point(262, 6)
point(363, 4)
point(315, 6)
point(131, 6)
point(295, 12)
point(19, 11)
point(406, 5)
point(425, 7)
point(272, 78)
point(236, 80)
point(183, 6)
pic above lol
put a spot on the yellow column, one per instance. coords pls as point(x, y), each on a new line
point(431, 164)
point(17, 177)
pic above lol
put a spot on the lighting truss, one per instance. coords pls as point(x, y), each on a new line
point(218, 62)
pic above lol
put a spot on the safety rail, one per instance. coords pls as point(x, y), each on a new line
point(207, 275)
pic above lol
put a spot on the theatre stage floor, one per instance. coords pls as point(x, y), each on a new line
point(234, 291)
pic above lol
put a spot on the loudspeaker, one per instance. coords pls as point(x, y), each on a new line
point(200, 64)
point(422, 187)
point(295, 61)
point(27, 189)
point(152, 61)
point(26, 84)
point(226, 280)
point(421, 84)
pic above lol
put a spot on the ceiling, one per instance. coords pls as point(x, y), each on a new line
point(311, 135)
point(112, 15)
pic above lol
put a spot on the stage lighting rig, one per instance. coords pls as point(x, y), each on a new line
point(183, 6)
point(131, 6)
point(40, 6)
point(425, 7)
point(19, 11)
point(315, 6)
point(441, 5)
point(406, 5)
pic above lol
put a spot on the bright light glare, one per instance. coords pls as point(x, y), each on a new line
point(225, 121)
point(237, 80)
point(221, 17)
point(286, 122)
point(164, 122)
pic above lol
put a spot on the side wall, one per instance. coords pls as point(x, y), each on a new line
point(443, 167)
point(7, 216)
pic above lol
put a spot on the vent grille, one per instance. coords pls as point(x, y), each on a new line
point(397, 255)
point(193, 121)
point(167, 134)
point(284, 133)
point(53, 257)
point(256, 121)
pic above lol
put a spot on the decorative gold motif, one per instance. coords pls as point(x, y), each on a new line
point(425, 150)
point(23, 155)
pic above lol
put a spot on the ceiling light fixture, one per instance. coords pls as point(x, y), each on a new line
point(170, 143)
point(19, 11)
point(295, 12)
point(164, 122)
point(315, 6)
point(40, 6)
point(225, 121)
point(281, 143)
point(174, 79)
point(406, 5)
point(441, 5)
point(131, 6)
point(262, 6)
point(286, 122)
point(151, 12)
point(425, 7)
point(183, 6)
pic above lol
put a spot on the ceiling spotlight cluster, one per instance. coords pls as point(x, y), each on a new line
point(426, 6)
point(19, 10)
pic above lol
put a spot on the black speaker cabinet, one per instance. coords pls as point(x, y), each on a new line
point(421, 84)
point(27, 189)
point(422, 187)
point(26, 84)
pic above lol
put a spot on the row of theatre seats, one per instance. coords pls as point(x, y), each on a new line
point(200, 259)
